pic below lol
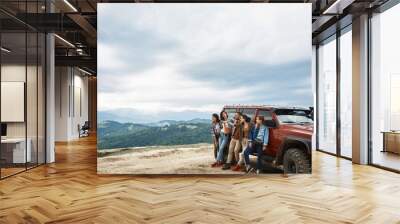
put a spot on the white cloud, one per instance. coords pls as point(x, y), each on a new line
point(109, 59)
point(164, 88)
point(269, 34)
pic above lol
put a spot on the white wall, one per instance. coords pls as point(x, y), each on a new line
point(12, 73)
point(80, 110)
point(17, 73)
point(62, 82)
point(71, 102)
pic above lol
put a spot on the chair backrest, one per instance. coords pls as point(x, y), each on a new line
point(86, 125)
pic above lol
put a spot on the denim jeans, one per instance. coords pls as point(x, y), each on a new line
point(256, 148)
point(223, 141)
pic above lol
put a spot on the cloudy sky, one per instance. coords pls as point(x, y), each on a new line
point(184, 61)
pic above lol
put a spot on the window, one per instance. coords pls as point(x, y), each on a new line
point(231, 112)
point(287, 116)
point(265, 113)
point(346, 93)
point(17, 154)
point(385, 89)
point(249, 112)
point(327, 95)
point(22, 65)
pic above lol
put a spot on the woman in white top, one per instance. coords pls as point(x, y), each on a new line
point(226, 128)
point(215, 132)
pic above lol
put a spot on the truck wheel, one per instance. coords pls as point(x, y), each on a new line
point(296, 161)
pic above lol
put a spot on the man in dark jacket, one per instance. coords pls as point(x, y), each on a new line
point(258, 142)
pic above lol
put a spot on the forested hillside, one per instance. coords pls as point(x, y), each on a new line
point(112, 134)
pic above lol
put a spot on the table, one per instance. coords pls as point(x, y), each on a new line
point(13, 150)
point(391, 141)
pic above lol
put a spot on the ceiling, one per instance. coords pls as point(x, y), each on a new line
point(75, 21)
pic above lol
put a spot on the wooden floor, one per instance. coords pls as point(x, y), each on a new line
point(70, 191)
point(386, 159)
point(5, 172)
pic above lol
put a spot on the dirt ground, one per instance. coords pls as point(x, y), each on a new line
point(178, 159)
point(182, 159)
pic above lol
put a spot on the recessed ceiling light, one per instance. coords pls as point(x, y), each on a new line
point(70, 5)
point(5, 50)
point(64, 40)
point(338, 6)
point(84, 71)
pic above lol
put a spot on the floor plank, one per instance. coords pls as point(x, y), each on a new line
point(70, 191)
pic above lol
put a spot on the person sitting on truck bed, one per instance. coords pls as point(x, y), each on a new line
point(226, 127)
point(258, 141)
point(215, 132)
point(246, 123)
point(235, 144)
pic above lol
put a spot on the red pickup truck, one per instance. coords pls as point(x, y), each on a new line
point(290, 134)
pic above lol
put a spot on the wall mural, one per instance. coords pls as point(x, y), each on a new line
point(204, 88)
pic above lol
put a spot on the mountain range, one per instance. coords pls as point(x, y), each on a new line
point(125, 115)
point(113, 134)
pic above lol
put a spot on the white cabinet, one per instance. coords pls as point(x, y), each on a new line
point(19, 154)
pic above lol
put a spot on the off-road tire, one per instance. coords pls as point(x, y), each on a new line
point(296, 161)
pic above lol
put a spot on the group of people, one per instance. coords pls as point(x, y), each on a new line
point(242, 138)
